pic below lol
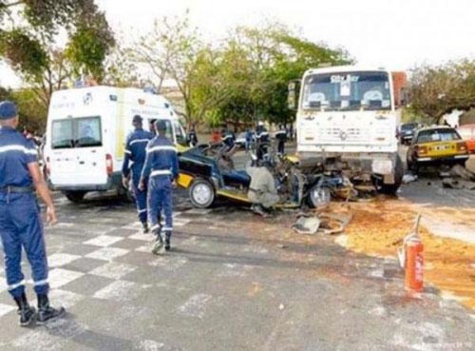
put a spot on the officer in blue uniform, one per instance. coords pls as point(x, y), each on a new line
point(281, 137)
point(20, 219)
point(262, 141)
point(161, 170)
point(135, 151)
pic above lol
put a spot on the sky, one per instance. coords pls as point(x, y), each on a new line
point(397, 34)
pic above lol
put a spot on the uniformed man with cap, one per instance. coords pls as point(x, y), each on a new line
point(262, 141)
point(20, 219)
point(161, 170)
point(135, 151)
point(281, 136)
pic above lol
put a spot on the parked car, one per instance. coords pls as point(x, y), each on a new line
point(467, 132)
point(436, 146)
point(406, 132)
point(241, 139)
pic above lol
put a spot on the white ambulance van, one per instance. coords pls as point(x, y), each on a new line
point(86, 133)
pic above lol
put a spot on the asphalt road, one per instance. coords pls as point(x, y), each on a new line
point(233, 281)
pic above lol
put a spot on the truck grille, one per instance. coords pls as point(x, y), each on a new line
point(351, 135)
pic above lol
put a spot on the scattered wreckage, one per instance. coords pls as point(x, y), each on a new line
point(459, 177)
point(208, 172)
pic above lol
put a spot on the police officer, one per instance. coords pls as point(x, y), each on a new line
point(135, 151)
point(20, 219)
point(262, 141)
point(192, 138)
point(161, 170)
point(228, 140)
point(281, 137)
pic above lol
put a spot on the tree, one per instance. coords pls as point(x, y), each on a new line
point(29, 32)
point(169, 51)
point(437, 90)
point(254, 67)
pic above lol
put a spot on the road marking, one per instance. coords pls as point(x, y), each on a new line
point(151, 345)
point(5, 309)
point(107, 253)
point(3, 284)
point(60, 259)
point(119, 290)
point(104, 240)
point(141, 236)
point(113, 270)
point(59, 277)
point(195, 306)
point(67, 299)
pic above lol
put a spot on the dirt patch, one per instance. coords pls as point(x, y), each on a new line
point(377, 227)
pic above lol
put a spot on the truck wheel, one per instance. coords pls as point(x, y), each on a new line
point(75, 196)
point(318, 197)
point(391, 189)
point(201, 193)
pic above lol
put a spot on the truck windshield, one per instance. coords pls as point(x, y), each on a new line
point(347, 91)
point(76, 132)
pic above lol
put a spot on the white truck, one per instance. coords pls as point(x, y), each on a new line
point(347, 117)
point(86, 133)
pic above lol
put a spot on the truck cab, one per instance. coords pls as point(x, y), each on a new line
point(348, 116)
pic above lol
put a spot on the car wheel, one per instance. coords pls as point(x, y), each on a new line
point(318, 197)
point(75, 196)
point(201, 193)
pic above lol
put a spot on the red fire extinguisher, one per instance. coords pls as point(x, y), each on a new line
point(412, 261)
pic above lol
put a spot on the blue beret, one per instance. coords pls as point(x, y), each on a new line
point(8, 110)
point(160, 125)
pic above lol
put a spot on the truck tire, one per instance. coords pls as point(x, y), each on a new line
point(201, 193)
point(75, 196)
point(391, 189)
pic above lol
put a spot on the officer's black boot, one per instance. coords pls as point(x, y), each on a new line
point(145, 227)
point(168, 236)
point(158, 242)
point(45, 311)
point(25, 311)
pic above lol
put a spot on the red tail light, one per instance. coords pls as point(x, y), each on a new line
point(421, 150)
point(109, 164)
point(462, 147)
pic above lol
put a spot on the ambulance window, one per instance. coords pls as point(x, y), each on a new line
point(179, 133)
point(62, 134)
point(88, 132)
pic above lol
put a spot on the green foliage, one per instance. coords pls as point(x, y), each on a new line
point(28, 33)
point(436, 90)
point(24, 53)
point(254, 68)
point(31, 109)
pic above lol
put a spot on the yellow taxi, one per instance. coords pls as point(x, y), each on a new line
point(436, 146)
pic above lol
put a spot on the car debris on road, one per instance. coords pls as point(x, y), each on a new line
point(459, 177)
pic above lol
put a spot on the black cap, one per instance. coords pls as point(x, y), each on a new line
point(160, 125)
point(137, 119)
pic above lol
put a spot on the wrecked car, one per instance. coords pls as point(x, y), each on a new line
point(208, 173)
